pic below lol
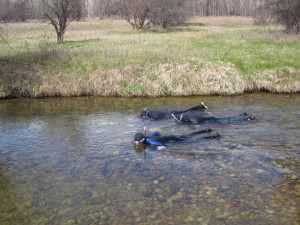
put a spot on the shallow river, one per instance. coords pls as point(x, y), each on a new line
point(71, 161)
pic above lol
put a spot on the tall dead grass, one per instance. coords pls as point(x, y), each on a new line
point(19, 80)
point(224, 20)
point(284, 80)
point(171, 79)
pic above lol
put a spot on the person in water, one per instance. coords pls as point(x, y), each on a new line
point(196, 118)
point(157, 114)
point(156, 139)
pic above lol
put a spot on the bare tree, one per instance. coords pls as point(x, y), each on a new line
point(261, 15)
point(224, 7)
point(141, 14)
point(6, 9)
point(286, 12)
point(169, 12)
point(14, 10)
point(103, 6)
point(60, 13)
point(135, 12)
point(21, 10)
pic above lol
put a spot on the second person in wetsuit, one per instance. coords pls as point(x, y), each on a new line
point(155, 138)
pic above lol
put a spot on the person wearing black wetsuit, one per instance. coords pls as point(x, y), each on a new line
point(157, 114)
point(196, 118)
point(155, 138)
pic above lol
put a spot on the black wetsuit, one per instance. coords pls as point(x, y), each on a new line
point(156, 114)
point(156, 139)
point(195, 118)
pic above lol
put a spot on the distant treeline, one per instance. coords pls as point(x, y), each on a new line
point(139, 12)
point(22, 10)
point(104, 8)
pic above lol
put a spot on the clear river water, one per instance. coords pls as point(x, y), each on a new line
point(71, 161)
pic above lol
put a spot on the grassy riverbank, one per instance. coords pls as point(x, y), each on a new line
point(107, 58)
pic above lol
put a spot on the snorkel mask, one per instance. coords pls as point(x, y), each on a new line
point(139, 139)
point(144, 113)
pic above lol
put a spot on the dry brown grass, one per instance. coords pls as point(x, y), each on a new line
point(224, 20)
point(22, 81)
point(157, 80)
point(278, 81)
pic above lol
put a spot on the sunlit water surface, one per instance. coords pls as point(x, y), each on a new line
point(71, 161)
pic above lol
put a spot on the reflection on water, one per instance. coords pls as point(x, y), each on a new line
point(71, 161)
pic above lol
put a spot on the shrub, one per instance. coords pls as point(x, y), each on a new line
point(286, 12)
point(143, 14)
point(135, 12)
point(169, 13)
point(261, 15)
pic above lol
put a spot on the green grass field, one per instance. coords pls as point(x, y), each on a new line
point(107, 58)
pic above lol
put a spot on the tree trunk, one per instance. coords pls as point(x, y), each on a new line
point(225, 8)
point(164, 25)
point(60, 37)
point(207, 5)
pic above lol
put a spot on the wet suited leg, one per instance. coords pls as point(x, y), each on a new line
point(196, 133)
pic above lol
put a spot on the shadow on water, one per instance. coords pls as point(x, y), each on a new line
point(71, 161)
